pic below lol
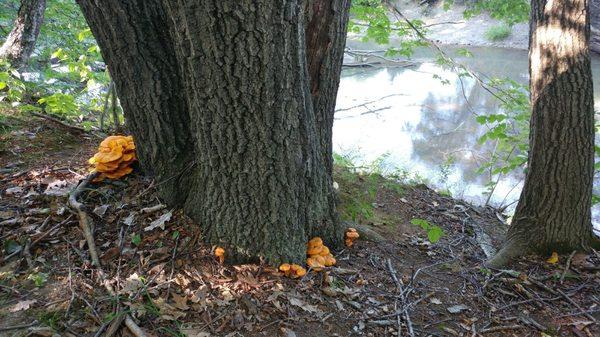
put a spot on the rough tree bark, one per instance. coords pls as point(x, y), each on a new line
point(20, 42)
point(231, 105)
point(554, 210)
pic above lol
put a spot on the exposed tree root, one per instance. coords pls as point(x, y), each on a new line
point(365, 232)
point(510, 250)
point(86, 226)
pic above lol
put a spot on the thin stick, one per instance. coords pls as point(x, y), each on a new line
point(567, 266)
point(588, 315)
point(74, 128)
point(85, 222)
point(17, 327)
point(501, 328)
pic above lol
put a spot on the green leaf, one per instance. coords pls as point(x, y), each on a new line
point(136, 239)
point(434, 234)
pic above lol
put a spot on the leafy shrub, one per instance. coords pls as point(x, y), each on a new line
point(497, 33)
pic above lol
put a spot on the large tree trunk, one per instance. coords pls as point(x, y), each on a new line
point(554, 210)
point(20, 42)
point(218, 97)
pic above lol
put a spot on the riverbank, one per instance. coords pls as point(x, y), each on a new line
point(398, 275)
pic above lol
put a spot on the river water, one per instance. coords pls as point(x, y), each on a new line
point(423, 126)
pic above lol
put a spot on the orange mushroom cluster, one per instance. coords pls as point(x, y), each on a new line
point(292, 270)
point(114, 157)
point(319, 255)
point(220, 254)
point(351, 235)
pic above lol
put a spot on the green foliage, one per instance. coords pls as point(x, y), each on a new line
point(434, 232)
point(39, 279)
point(509, 11)
point(507, 129)
point(61, 104)
point(51, 319)
point(11, 85)
point(370, 19)
point(497, 33)
point(8, 12)
point(66, 74)
point(136, 239)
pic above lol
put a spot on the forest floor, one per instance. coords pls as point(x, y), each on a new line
point(171, 284)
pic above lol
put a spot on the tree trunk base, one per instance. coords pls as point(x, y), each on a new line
point(509, 251)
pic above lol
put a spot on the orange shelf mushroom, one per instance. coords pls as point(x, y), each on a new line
point(220, 253)
point(351, 235)
point(319, 255)
point(114, 157)
point(292, 270)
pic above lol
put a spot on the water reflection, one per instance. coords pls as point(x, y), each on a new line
point(427, 125)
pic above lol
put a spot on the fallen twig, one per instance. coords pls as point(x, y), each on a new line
point(85, 222)
point(588, 315)
point(59, 122)
point(567, 266)
point(17, 327)
point(501, 328)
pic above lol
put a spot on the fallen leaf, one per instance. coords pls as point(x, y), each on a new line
point(23, 305)
point(129, 219)
point(434, 300)
point(455, 309)
point(59, 188)
point(180, 302)
point(100, 210)
point(160, 222)
point(13, 190)
point(194, 333)
point(132, 284)
point(167, 311)
point(305, 306)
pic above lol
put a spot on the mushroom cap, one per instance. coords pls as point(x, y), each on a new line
point(352, 235)
point(108, 156)
point(330, 260)
point(128, 156)
point(300, 272)
point(118, 173)
point(108, 166)
point(320, 259)
point(316, 241)
point(351, 229)
point(314, 263)
point(324, 251)
point(314, 250)
point(285, 267)
point(219, 251)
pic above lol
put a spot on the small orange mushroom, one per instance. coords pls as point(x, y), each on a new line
point(316, 241)
point(329, 260)
point(350, 236)
point(292, 270)
point(314, 264)
point(314, 250)
point(220, 253)
point(319, 255)
point(324, 251)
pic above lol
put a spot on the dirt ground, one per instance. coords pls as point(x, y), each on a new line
point(392, 282)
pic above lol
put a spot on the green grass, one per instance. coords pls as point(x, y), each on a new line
point(498, 33)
